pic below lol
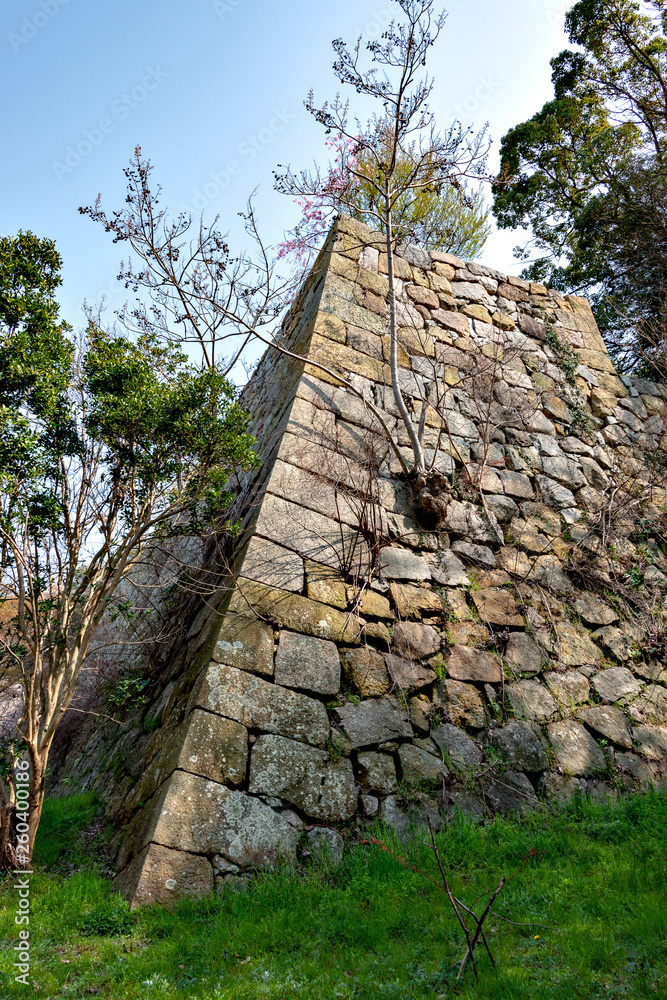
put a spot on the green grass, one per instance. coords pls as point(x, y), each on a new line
point(371, 929)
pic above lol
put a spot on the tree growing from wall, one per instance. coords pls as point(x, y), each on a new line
point(397, 157)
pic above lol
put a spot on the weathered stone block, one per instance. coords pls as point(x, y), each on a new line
point(463, 518)
point(408, 675)
point(608, 722)
point(651, 741)
point(273, 565)
point(304, 662)
point(419, 768)
point(530, 701)
point(366, 670)
point(480, 555)
point(377, 773)
point(326, 845)
point(577, 752)
point(524, 654)
point(462, 703)
point(516, 484)
point(548, 571)
point(294, 612)
point(402, 564)
point(245, 642)
point(307, 532)
point(498, 607)
point(415, 640)
point(594, 611)
point(202, 817)
point(325, 584)
point(619, 643)
point(160, 875)
point(560, 788)
point(412, 602)
point(457, 747)
point(308, 778)
point(652, 703)
point(467, 664)
point(521, 745)
point(373, 721)
point(570, 688)
point(256, 704)
point(616, 683)
point(575, 648)
point(511, 792)
point(406, 819)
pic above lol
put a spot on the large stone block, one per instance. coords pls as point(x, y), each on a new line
point(304, 662)
point(373, 721)
point(463, 518)
point(457, 747)
point(521, 745)
point(246, 642)
point(524, 653)
point(594, 611)
point(408, 675)
point(608, 722)
point(510, 792)
point(256, 704)
point(366, 671)
point(570, 688)
point(419, 768)
point(161, 875)
point(462, 702)
point(402, 564)
point(531, 701)
point(575, 648)
point(310, 534)
point(652, 703)
point(295, 478)
point(377, 773)
point(272, 564)
point(294, 612)
point(468, 664)
point(577, 752)
point(616, 683)
point(204, 744)
point(308, 778)
point(497, 607)
point(202, 817)
point(415, 640)
point(651, 741)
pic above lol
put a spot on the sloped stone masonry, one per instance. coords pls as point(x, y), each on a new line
point(488, 638)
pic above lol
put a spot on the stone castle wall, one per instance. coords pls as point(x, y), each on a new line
point(488, 638)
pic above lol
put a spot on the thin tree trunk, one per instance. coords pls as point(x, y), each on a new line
point(417, 449)
point(38, 762)
point(8, 858)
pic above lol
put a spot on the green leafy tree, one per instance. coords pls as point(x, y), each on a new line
point(106, 444)
point(588, 175)
point(453, 217)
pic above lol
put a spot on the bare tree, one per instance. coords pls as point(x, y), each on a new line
point(398, 153)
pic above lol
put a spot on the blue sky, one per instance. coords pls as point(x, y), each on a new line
point(203, 84)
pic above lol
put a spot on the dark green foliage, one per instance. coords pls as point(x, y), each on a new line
point(372, 929)
point(108, 444)
point(111, 918)
point(587, 174)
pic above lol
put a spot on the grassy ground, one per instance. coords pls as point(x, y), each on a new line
point(371, 929)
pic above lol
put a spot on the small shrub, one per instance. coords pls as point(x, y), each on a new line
point(110, 918)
